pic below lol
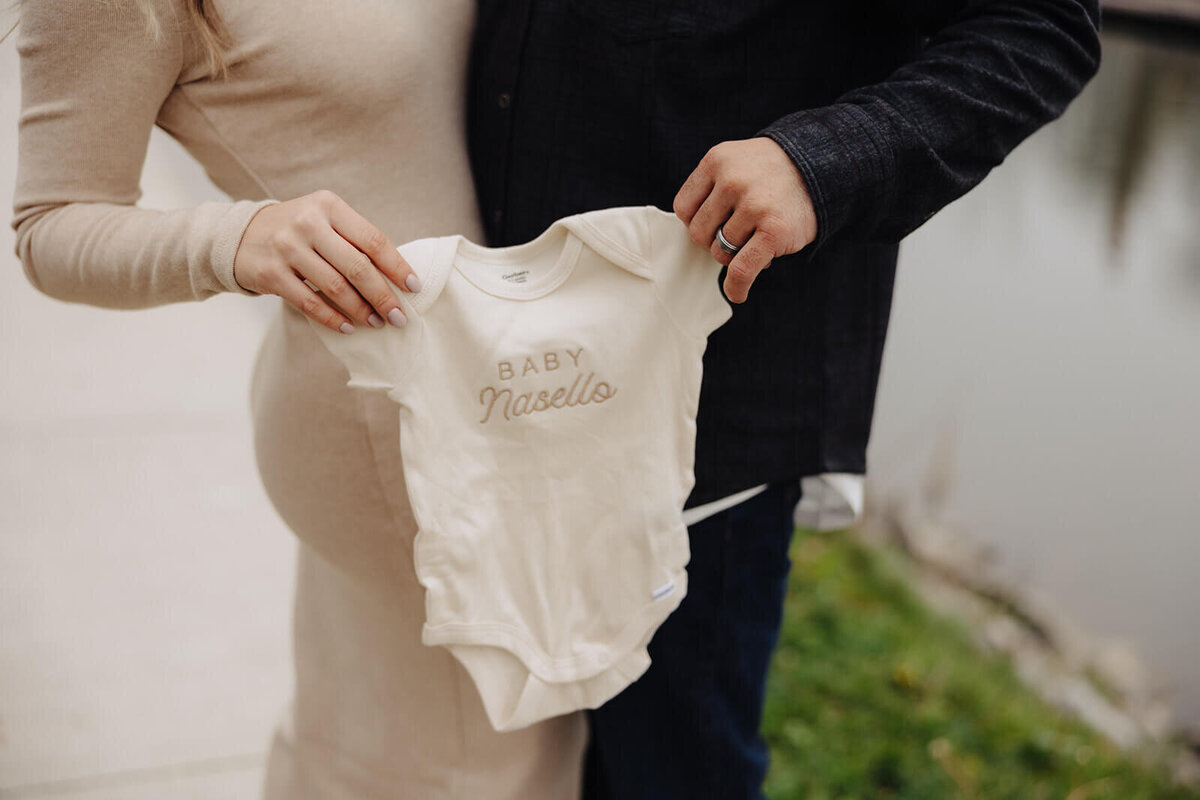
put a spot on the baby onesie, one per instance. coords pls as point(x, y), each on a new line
point(547, 395)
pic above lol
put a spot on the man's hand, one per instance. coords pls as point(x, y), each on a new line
point(752, 188)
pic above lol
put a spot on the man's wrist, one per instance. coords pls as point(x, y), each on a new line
point(846, 172)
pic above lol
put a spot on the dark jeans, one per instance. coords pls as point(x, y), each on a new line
point(688, 728)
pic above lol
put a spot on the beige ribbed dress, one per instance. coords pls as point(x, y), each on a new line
point(364, 98)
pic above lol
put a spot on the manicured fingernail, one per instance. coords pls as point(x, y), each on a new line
point(413, 282)
point(346, 328)
point(397, 318)
point(375, 321)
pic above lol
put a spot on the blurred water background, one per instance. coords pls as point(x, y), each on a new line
point(1045, 342)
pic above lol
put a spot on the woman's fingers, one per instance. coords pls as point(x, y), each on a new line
point(373, 243)
point(327, 258)
point(295, 292)
point(317, 271)
point(356, 276)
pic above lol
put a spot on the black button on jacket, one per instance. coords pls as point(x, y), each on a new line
point(889, 109)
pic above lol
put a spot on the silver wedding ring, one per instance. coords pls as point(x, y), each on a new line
point(724, 244)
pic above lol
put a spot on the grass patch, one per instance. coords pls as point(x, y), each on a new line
point(871, 695)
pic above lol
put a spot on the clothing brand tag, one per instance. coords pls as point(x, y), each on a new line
point(519, 276)
point(663, 591)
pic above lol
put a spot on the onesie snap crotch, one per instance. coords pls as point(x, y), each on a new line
point(514, 695)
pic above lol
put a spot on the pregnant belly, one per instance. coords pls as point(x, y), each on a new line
point(329, 455)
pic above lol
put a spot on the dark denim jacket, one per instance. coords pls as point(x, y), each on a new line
point(889, 109)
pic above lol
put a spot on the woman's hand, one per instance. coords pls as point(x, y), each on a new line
point(319, 241)
point(751, 190)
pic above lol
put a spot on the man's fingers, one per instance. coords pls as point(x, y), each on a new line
point(753, 258)
point(755, 189)
point(693, 193)
point(737, 230)
point(714, 211)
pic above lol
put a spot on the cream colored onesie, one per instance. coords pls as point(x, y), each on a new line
point(364, 98)
point(547, 398)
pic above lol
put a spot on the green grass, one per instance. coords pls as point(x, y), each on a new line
point(871, 695)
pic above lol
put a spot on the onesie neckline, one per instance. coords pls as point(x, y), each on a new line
point(473, 261)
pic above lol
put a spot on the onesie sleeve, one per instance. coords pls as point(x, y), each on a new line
point(92, 84)
point(383, 358)
point(372, 356)
point(686, 276)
